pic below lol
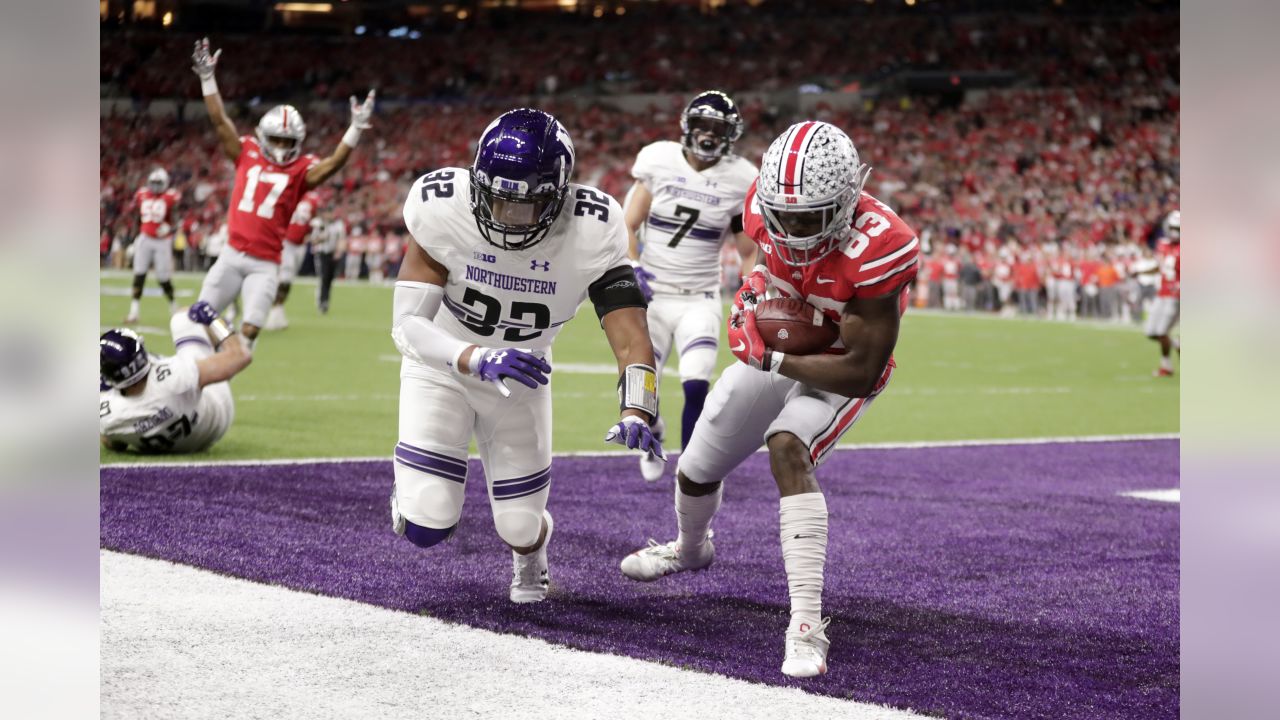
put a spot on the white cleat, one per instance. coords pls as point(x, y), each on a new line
point(655, 561)
point(276, 319)
point(807, 650)
point(131, 319)
point(530, 579)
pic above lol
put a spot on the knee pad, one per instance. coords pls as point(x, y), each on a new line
point(698, 362)
point(425, 537)
point(427, 499)
point(518, 526)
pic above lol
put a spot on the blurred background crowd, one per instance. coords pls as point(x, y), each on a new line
point(1022, 171)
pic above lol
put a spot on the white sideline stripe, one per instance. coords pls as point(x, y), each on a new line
point(177, 641)
point(608, 453)
point(1170, 495)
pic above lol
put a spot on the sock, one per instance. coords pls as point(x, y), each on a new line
point(167, 287)
point(1166, 363)
point(694, 514)
point(134, 308)
point(803, 530)
point(695, 394)
point(1177, 344)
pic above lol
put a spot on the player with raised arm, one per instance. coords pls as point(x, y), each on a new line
point(156, 204)
point(686, 201)
point(292, 254)
point(1165, 308)
point(272, 175)
point(825, 242)
point(502, 256)
point(180, 404)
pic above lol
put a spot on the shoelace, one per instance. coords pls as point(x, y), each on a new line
point(803, 642)
point(809, 634)
point(666, 551)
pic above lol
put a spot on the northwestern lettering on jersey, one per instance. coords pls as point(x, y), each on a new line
point(694, 195)
point(510, 282)
point(147, 423)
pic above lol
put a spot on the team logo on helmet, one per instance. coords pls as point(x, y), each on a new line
point(810, 181)
point(520, 178)
point(280, 134)
point(710, 125)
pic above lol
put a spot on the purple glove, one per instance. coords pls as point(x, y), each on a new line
point(636, 434)
point(202, 312)
point(642, 279)
point(499, 364)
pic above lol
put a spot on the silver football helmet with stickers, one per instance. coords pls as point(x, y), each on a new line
point(158, 180)
point(280, 133)
point(810, 181)
point(1173, 227)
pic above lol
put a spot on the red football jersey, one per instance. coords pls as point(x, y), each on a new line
point(263, 200)
point(155, 209)
point(1169, 255)
point(881, 258)
point(300, 223)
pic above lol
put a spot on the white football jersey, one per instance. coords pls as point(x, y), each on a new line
point(507, 298)
point(690, 215)
point(172, 414)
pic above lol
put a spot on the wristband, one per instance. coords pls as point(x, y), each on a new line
point(473, 358)
point(209, 85)
point(351, 137)
point(638, 389)
point(219, 331)
point(775, 361)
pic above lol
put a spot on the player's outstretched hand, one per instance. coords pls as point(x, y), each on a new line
point(643, 277)
point(636, 434)
point(202, 312)
point(362, 112)
point(746, 343)
point(497, 365)
point(202, 63)
point(754, 287)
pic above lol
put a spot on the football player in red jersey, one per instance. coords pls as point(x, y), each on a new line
point(156, 203)
point(291, 257)
point(822, 240)
point(271, 176)
point(1164, 311)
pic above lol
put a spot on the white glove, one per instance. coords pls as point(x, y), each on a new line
point(361, 118)
point(362, 112)
point(202, 63)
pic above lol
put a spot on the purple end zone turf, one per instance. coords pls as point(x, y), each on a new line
point(975, 582)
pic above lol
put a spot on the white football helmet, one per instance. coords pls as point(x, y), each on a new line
point(158, 180)
point(280, 133)
point(1173, 227)
point(810, 183)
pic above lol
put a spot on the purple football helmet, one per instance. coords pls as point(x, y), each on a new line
point(121, 358)
point(710, 125)
point(520, 178)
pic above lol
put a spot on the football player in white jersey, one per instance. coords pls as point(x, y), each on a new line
point(686, 201)
point(179, 404)
point(503, 255)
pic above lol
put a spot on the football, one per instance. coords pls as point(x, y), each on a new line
point(794, 326)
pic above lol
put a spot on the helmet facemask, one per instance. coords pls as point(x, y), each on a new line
point(280, 134)
point(710, 125)
point(508, 215)
point(158, 181)
point(280, 149)
point(803, 232)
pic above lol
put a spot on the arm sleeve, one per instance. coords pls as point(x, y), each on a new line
point(413, 327)
point(616, 289)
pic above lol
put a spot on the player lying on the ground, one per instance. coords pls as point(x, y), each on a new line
point(178, 404)
point(156, 204)
point(271, 176)
point(510, 249)
point(824, 242)
point(1165, 308)
point(687, 200)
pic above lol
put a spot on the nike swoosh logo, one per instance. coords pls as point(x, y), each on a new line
point(824, 281)
point(740, 346)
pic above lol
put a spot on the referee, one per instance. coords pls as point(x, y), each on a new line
point(326, 237)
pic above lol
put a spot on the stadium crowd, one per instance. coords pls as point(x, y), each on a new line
point(1015, 192)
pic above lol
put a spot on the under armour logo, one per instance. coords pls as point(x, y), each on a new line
point(499, 357)
point(546, 265)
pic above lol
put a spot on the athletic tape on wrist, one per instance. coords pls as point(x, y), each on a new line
point(775, 361)
point(638, 389)
point(209, 85)
point(352, 137)
point(220, 331)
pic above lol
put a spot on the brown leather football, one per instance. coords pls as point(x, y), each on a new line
point(794, 326)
